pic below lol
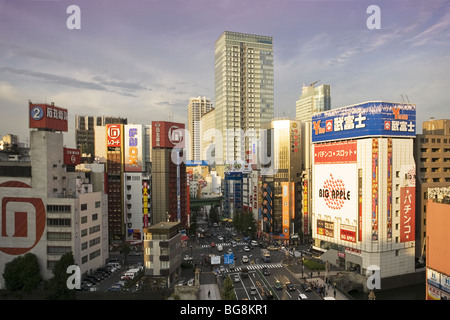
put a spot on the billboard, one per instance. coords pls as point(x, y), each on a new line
point(365, 119)
point(114, 135)
point(44, 116)
point(167, 134)
point(337, 152)
point(407, 213)
point(335, 190)
point(133, 148)
point(285, 208)
point(72, 156)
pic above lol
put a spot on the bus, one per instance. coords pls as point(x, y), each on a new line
point(265, 255)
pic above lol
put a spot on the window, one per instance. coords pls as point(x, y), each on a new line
point(59, 236)
point(83, 206)
point(95, 217)
point(84, 219)
point(52, 222)
point(98, 204)
point(52, 208)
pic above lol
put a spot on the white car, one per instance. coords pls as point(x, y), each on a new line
point(246, 248)
point(244, 259)
point(187, 258)
point(220, 238)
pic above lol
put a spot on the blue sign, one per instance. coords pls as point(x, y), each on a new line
point(365, 120)
point(228, 258)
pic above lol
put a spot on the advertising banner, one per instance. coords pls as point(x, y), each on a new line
point(114, 135)
point(285, 207)
point(365, 119)
point(325, 228)
point(167, 134)
point(389, 190)
point(133, 148)
point(348, 233)
point(375, 189)
point(407, 213)
point(336, 190)
point(72, 156)
point(338, 152)
point(44, 116)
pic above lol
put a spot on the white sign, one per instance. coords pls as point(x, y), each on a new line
point(336, 190)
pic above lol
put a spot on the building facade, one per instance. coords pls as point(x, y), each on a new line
point(162, 251)
point(363, 187)
point(312, 100)
point(243, 92)
point(281, 181)
point(197, 107)
point(432, 155)
point(437, 249)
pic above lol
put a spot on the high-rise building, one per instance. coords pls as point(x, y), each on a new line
point(312, 100)
point(364, 187)
point(281, 188)
point(432, 156)
point(207, 141)
point(85, 135)
point(197, 107)
point(243, 92)
point(169, 181)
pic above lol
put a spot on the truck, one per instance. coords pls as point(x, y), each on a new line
point(265, 255)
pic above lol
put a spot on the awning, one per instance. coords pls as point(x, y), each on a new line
point(184, 238)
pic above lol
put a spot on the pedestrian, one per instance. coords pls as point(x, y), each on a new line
point(209, 293)
point(334, 293)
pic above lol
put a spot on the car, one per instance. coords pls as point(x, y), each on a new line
point(290, 286)
point(306, 287)
point(187, 258)
point(272, 248)
point(230, 251)
point(236, 278)
point(278, 285)
point(213, 244)
point(302, 296)
point(222, 269)
point(254, 243)
point(266, 271)
point(220, 238)
point(246, 248)
point(244, 259)
point(253, 290)
point(233, 243)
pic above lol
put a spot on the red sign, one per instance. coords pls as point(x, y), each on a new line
point(72, 156)
point(28, 216)
point(114, 135)
point(339, 152)
point(167, 134)
point(44, 116)
point(407, 213)
point(348, 235)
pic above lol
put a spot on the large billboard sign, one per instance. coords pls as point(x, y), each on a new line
point(114, 135)
point(44, 116)
point(407, 213)
point(167, 134)
point(365, 119)
point(336, 180)
point(133, 147)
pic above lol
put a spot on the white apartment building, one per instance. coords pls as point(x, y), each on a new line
point(196, 108)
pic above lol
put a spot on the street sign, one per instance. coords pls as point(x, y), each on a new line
point(228, 258)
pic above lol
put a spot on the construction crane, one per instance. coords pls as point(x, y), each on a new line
point(312, 84)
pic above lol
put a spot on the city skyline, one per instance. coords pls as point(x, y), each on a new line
point(143, 60)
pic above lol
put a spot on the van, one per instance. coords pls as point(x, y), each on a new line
point(302, 296)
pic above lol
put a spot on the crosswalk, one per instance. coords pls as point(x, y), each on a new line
point(256, 266)
point(225, 244)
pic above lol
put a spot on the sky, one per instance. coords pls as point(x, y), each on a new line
point(143, 59)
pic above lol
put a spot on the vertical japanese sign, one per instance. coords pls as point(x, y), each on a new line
point(305, 207)
point(407, 213)
point(145, 188)
point(360, 204)
point(133, 148)
point(375, 189)
point(285, 208)
point(389, 190)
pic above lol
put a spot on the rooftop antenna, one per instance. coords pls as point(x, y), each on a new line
point(407, 98)
point(403, 100)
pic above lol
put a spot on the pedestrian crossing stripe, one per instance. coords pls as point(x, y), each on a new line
point(225, 244)
point(257, 266)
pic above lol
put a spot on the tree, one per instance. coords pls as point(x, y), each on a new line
point(22, 273)
point(125, 250)
point(228, 289)
point(57, 286)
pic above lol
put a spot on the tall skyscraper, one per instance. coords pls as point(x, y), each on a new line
point(243, 92)
point(312, 100)
point(197, 107)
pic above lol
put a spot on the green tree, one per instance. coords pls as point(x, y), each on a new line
point(22, 273)
point(125, 250)
point(228, 289)
point(57, 286)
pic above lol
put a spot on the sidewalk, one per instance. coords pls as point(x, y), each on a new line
point(213, 290)
point(329, 290)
